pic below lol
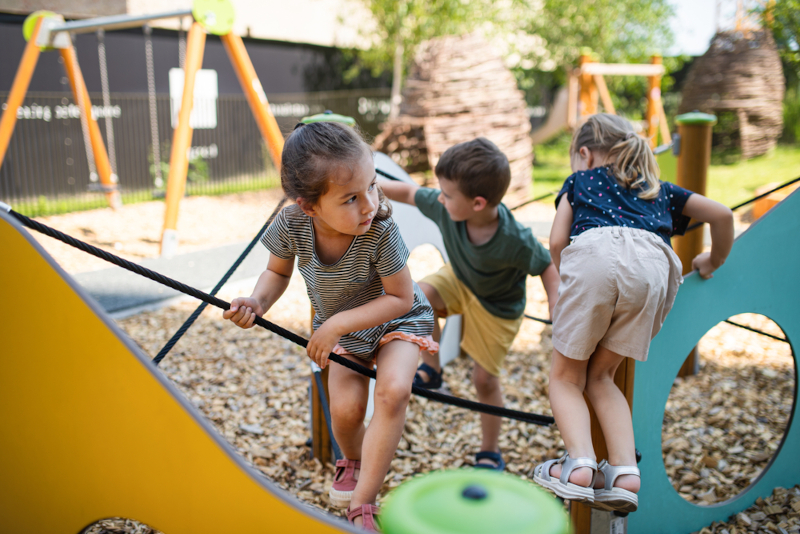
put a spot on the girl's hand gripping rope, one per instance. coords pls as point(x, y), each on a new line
point(322, 342)
point(244, 311)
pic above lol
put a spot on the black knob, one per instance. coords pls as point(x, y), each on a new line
point(638, 456)
point(475, 493)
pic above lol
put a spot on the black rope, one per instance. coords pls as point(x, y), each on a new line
point(750, 201)
point(196, 313)
point(532, 318)
point(387, 175)
point(323, 400)
point(750, 328)
point(272, 327)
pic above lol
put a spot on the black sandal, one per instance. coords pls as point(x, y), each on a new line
point(496, 457)
point(434, 377)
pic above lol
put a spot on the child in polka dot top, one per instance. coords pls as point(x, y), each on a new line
point(610, 242)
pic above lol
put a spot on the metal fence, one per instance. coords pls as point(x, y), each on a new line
point(46, 168)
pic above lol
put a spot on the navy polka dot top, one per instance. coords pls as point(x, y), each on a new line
point(598, 200)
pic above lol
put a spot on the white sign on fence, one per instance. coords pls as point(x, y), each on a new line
point(204, 110)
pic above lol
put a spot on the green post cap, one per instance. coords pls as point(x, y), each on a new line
point(329, 116)
point(696, 117)
point(30, 24)
point(215, 16)
point(467, 501)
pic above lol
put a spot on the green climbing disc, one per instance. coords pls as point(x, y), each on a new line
point(329, 117)
point(216, 16)
point(696, 117)
point(467, 501)
point(30, 24)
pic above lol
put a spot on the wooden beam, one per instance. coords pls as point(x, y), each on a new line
point(622, 69)
point(605, 96)
point(651, 116)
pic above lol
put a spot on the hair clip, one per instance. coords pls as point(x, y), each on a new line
point(298, 125)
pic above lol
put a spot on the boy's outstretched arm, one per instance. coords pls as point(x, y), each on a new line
point(720, 219)
point(550, 281)
point(399, 191)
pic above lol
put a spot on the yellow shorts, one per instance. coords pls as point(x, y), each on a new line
point(486, 337)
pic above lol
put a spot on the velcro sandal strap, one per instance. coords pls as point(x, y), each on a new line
point(571, 464)
point(612, 472)
point(346, 467)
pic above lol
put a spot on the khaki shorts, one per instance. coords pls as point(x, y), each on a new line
point(617, 286)
point(486, 337)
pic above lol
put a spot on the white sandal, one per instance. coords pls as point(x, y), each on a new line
point(562, 486)
point(616, 499)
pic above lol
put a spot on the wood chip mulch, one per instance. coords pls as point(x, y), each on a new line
point(720, 428)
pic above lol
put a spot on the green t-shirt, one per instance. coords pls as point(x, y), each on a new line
point(495, 272)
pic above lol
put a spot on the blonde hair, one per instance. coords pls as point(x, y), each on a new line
point(632, 162)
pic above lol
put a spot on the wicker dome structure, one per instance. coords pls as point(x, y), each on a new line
point(740, 73)
point(459, 89)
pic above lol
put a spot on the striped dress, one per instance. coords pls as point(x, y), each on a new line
point(352, 281)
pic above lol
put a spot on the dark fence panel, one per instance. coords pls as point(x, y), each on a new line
point(47, 170)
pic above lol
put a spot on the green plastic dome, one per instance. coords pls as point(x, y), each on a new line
point(329, 116)
point(471, 501)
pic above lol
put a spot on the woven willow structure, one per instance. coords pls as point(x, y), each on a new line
point(457, 90)
point(741, 73)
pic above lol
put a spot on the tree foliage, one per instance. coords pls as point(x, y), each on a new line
point(540, 39)
point(783, 18)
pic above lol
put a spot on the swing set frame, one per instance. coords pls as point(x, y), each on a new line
point(50, 31)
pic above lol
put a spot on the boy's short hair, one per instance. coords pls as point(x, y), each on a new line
point(478, 168)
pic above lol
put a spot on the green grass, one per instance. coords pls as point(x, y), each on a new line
point(43, 206)
point(728, 184)
point(731, 184)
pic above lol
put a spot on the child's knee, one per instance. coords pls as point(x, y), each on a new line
point(392, 395)
point(484, 381)
point(434, 298)
point(349, 414)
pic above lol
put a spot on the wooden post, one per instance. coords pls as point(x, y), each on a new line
point(18, 89)
point(95, 138)
point(694, 158)
point(588, 96)
point(321, 443)
point(181, 141)
point(255, 95)
point(652, 115)
point(581, 514)
point(320, 437)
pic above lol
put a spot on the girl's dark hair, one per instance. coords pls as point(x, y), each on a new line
point(312, 155)
point(634, 165)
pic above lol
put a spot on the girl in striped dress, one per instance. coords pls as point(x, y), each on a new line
point(367, 308)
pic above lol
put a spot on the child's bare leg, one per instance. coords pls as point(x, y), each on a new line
point(489, 392)
point(567, 382)
point(613, 413)
point(348, 403)
point(397, 362)
point(438, 306)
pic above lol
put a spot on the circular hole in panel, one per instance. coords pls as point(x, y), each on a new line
point(723, 425)
point(119, 525)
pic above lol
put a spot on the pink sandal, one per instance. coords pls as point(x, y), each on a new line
point(344, 482)
point(367, 513)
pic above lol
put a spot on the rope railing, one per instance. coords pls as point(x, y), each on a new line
point(193, 317)
point(497, 411)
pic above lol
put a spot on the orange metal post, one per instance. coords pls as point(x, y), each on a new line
point(181, 140)
point(18, 90)
point(588, 91)
point(652, 115)
point(255, 96)
point(95, 138)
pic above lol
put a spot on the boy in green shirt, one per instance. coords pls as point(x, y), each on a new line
point(491, 255)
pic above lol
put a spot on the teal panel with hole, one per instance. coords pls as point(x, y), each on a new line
point(760, 276)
